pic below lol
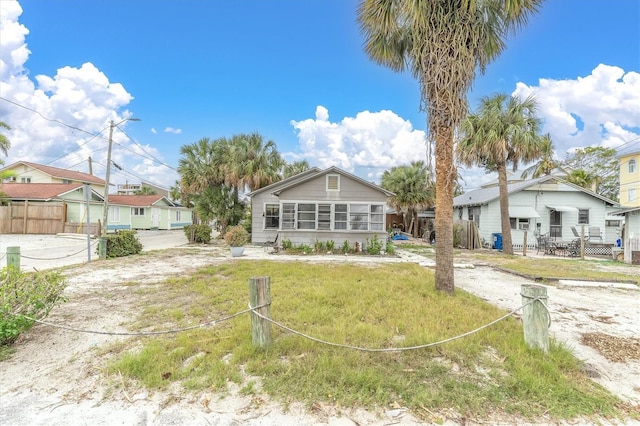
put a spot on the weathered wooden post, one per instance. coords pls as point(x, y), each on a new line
point(535, 317)
point(524, 244)
point(259, 295)
point(13, 257)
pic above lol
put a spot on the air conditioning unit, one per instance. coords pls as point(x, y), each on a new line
point(523, 226)
point(11, 179)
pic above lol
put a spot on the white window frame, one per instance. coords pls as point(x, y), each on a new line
point(289, 215)
point(25, 179)
point(633, 166)
point(267, 215)
point(114, 214)
point(178, 215)
point(632, 194)
point(138, 211)
point(582, 213)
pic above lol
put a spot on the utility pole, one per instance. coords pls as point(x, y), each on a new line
point(102, 248)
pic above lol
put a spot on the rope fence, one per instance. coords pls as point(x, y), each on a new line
point(535, 330)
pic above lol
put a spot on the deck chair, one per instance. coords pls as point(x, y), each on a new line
point(575, 232)
point(594, 234)
point(573, 248)
point(273, 244)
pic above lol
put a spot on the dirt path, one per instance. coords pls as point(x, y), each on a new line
point(55, 376)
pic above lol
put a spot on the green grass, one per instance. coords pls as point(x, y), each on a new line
point(547, 268)
point(366, 306)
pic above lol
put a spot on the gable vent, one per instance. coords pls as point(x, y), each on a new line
point(333, 182)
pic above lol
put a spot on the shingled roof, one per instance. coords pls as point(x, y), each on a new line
point(138, 200)
point(40, 191)
point(62, 173)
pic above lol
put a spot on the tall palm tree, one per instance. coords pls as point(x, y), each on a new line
point(412, 188)
point(547, 162)
point(5, 144)
point(583, 179)
point(442, 43)
point(292, 169)
point(504, 131)
point(254, 163)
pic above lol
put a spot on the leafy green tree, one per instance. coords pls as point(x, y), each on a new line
point(600, 162)
point(442, 44)
point(412, 188)
point(504, 131)
point(292, 169)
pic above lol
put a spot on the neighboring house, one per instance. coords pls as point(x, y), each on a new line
point(319, 205)
point(146, 212)
point(68, 208)
point(25, 172)
point(629, 158)
point(546, 205)
point(131, 188)
point(631, 234)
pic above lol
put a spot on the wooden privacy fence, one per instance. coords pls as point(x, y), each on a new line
point(32, 218)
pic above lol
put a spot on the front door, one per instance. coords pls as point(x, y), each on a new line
point(155, 217)
point(555, 224)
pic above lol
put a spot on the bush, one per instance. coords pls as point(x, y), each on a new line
point(286, 244)
point(198, 233)
point(319, 246)
point(25, 297)
point(346, 248)
point(123, 243)
point(236, 236)
point(375, 245)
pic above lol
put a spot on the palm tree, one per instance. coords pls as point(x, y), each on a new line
point(547, 162)
point(145, 190)
point(292, 169)
point(583, 179)
point(5, 144)
point(442, 43)
point(254, 162)
point(412, 188)
point(504, 131)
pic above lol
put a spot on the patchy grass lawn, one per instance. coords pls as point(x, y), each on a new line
point(374, 306)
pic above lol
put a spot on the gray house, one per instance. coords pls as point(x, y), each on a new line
point(546, 205)
point(319, 205)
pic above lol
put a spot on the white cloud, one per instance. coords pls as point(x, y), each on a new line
point(82, 98)
point(368, 143)
point(154, 131)
point(601, 109)
point(173, 130)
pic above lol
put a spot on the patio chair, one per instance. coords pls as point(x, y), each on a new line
point(575, 232)
point(273, 244)
point(594, 234)
point(544, 244)
point(573, 248)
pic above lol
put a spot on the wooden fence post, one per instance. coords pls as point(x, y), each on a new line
point(524, 244)
point(260, 294)
point(13, 257)
point(535, 317)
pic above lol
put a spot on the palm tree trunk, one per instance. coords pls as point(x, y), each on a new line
point(445, 178)
point(507, 243)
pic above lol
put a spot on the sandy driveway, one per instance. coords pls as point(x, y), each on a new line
point(54, 377)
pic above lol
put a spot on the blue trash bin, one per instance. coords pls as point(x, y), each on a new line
point(497, 241)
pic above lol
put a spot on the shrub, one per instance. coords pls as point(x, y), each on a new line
point(236, 236)
point(123, 243)
point(375, 245)
point(330, 245)
point(286, 244)
point(25, 297)
point(198, 233)
point(346, 248)
point(319, 246)
point(391, 248)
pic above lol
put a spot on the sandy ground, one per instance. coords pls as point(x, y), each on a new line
point(55, 377)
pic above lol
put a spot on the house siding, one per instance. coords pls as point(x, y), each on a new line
point(314, 190)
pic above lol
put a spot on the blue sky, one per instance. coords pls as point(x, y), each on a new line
point(293, 71)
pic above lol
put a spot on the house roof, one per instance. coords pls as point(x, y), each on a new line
point(628, 149)
point(60, 173)
point(37, 191)
point(290, 179)
point(624, 211)
point(486, 195)
point(334, 169)
point(139, 200)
